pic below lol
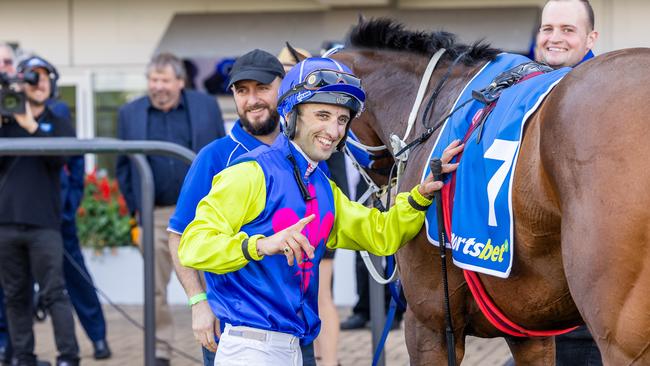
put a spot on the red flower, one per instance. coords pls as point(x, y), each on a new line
point(92, 178)
point(123, 210)
point(81, 211)
point(105, 189)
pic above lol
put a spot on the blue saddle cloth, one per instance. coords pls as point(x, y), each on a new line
point(481, 226)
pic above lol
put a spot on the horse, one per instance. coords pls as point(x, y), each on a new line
point(580, 198)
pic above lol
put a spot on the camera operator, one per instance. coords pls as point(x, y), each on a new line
point(30, 219)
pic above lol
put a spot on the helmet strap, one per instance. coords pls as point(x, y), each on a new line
point(290, 128)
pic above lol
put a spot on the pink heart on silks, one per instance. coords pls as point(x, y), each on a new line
point(316, 231)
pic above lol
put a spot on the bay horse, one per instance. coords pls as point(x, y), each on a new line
point(581, 199)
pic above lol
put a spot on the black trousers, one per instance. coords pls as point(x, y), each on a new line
point(577, 348)
point(27, 251)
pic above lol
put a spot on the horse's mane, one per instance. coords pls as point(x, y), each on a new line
point(384, 33)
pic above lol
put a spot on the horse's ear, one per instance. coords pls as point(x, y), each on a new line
point(295, 54)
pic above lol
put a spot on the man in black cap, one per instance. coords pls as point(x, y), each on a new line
point(254, 79)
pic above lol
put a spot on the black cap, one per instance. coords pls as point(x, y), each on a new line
point(256, 65)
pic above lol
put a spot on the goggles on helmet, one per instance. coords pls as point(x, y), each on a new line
point(323, 78)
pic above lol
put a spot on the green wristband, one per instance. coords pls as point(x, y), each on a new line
point(198, 298)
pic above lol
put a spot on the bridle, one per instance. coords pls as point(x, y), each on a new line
point(400, 152)
point(400, 149)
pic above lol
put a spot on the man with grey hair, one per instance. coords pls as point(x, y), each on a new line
point(167, 113)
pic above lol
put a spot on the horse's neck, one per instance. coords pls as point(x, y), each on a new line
point(448, 95)
point(447, 81)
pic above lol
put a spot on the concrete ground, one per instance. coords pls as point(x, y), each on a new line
point(126, 342)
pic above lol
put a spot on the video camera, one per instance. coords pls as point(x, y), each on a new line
point(12, 100)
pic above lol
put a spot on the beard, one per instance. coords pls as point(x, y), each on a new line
point(265, 127)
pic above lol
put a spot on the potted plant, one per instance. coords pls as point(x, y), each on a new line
point(103, 219)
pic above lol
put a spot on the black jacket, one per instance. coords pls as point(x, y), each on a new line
point(30, 192)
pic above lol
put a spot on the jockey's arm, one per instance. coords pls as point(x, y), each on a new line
point(383, 233)
point(358, 227)
point(213, 240)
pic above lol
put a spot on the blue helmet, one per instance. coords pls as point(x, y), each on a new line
point(319, 80)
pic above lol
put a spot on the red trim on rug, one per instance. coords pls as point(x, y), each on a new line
point(496, 317)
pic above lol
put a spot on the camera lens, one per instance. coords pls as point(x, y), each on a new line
point(10, 102)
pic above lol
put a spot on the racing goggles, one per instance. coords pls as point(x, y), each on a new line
point(321, 78)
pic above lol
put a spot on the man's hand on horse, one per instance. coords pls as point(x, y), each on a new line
point(290, 242)
point(429, 185)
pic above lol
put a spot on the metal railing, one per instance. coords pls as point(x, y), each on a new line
point(136, 150)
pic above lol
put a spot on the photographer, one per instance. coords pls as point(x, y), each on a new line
point(30, 219)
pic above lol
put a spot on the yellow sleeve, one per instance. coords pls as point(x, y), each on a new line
point(213, 241)
point(358, 227)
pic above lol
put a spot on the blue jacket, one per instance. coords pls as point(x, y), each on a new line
point(206, 124)
point(72, 174)
point(72, 187)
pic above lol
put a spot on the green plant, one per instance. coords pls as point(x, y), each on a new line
point(103, 218)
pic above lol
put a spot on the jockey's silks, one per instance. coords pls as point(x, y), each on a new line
point(258, 197)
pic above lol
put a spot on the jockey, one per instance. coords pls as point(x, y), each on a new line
point(262, 230)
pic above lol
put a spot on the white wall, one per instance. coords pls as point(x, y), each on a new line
point(212, 35)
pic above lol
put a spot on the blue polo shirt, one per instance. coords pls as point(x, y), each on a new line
point(211, 160)
point(587, 57)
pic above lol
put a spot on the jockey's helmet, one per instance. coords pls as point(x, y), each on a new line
point(319, 80)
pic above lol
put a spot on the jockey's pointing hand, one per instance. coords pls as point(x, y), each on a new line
point(290, 242)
